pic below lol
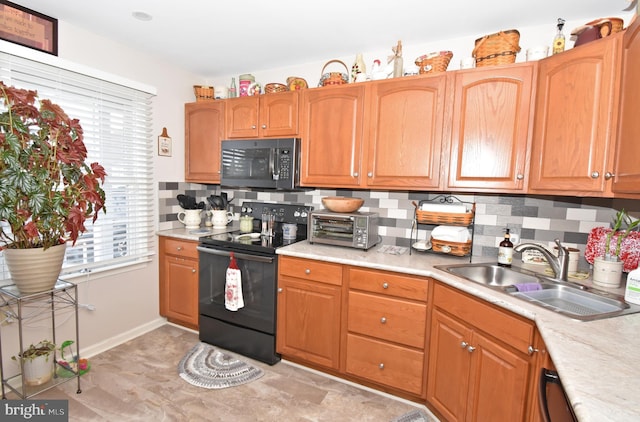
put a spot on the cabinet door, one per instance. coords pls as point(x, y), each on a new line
point(242, 117)
point(405, 131)
point(279, 114)
point(449, 364)
point(498, 383)
point(575, 119)
point(181, 290)
point(332, 124)
point(626, 181)
point(204, 129)
point(309, 321)
point(490, 130)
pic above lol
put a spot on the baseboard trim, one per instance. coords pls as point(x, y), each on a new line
point(117, 340)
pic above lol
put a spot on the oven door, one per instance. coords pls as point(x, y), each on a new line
point(258, 288)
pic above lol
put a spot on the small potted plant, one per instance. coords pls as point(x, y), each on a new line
point(47, 190)
point(607, 269)
point(37, 362)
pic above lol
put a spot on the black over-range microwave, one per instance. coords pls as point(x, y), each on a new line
point(261, 163)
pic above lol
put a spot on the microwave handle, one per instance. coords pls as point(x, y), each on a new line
point(274, 165)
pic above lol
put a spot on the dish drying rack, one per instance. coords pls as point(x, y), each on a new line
point(437, 218)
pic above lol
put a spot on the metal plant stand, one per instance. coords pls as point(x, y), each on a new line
point(64, 295)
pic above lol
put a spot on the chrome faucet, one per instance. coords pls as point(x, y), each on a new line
point(559, 264)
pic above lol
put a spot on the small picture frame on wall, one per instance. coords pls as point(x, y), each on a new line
point(28, 28)
point(164, 144)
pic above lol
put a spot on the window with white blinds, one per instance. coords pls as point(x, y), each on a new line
point(116, 121)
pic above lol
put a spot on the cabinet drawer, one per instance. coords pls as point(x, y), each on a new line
point(309, 269)
point(503, 325)
point(389, 284)
point(180, 247)
point(386, 318)
point(385, 363)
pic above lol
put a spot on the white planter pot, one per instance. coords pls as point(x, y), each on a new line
point(35, 270)
point(607, 273)
point(39, 370)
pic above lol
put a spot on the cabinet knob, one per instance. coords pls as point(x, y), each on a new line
point(383, 320)
point(253, 126)
point(385, 285)
point(179, 248)
point(355, 174)
point(531, 350)
point(279, 289)
point(307, 271)
point(608, 175)
point(381, 365)
point(264, 126)
point(370, 174)
point(193, 270)
point(464, 344)
point(520, 176)
point(471, 349)
point(595, 175)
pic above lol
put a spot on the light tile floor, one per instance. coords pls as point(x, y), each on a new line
point(138, 381)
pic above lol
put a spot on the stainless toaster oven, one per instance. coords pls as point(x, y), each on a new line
point(354, 230)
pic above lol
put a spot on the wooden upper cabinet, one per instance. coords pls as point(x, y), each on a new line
point(264, 116)
point(332, 127)
point(405, 130)
point(204, 129)
point(490, 133)
point(575, 122)
point(626, 179)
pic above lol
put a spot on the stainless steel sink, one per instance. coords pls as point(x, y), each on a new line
point(569, 299)
point(490, 274)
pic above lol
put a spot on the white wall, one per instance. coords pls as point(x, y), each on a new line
point(461, 48)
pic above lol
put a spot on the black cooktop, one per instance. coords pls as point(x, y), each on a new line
point(255, 242)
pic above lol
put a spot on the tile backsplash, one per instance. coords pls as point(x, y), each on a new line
point(533, 218)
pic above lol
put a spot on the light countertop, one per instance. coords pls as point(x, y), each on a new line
point(595, 359)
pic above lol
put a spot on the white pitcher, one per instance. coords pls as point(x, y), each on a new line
point(220, 218)
point(190, 218)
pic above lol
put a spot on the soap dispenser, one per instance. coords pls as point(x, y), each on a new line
point(505, 250)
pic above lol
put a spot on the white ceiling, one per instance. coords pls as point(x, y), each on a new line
point(218, 37)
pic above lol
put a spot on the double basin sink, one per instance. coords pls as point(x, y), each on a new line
point(570, 299)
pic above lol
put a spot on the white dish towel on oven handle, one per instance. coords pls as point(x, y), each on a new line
point(233, 299)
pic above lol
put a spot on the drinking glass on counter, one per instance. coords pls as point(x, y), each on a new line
point(268, 221)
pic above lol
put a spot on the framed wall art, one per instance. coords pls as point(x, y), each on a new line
point(29, 28)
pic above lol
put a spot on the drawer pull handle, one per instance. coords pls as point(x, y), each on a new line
point(179, 248)
point(385, 285)
point(464, 344)
point(381, 365)
point(307, 271)
point(471, 349)
point(383, 320)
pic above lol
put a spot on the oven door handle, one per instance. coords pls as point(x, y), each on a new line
point(247, 257)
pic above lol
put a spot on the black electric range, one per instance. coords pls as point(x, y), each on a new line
point(254, 242)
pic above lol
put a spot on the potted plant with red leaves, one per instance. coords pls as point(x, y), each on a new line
point(47, 189)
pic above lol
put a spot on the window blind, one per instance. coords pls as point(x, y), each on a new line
point(116, 121)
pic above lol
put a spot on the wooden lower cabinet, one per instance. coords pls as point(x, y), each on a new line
point(476, 374)
point(309, 311)
point(179, 281)
point(386, 329)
